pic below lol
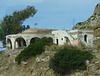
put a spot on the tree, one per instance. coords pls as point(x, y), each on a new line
point(27, 27)
point(12, 24)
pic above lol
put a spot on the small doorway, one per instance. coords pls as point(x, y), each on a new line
point(57, 41)
point(85, 38)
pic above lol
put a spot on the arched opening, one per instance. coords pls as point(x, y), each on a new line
point(33, 40)
point(85, 38)
point(50, 39)
point(67, 40)
point(9, 44)
point(20, 43)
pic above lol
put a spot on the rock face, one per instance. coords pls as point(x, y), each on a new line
point(38, 66)
point(97, 9)
point(92, 21)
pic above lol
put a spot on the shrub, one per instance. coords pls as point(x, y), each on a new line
point(98, 14)
point(34, 49)
point(79, 23)
point(69, 59)
point(94, 13)
point(97, 36)
point(96, 28)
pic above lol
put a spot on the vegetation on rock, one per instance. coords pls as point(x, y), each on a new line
point(70, 59)
point(92, 21)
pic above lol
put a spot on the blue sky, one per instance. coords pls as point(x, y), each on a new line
point(52, 14)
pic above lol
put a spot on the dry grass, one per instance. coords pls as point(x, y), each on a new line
point(21, 70)
point(57, 47)
point(52, 48)
point(97, 44)
point(97, 57)
point(96, 32)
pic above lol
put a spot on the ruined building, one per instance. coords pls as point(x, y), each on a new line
point(59, 37)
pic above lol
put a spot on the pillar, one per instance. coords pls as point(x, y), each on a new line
point(16, 45)
point(13, 43)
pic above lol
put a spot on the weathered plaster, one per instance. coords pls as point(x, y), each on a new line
point(59, 37)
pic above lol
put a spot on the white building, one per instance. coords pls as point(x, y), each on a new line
point(59, 37)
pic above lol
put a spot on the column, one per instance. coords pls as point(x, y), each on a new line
point(13, 43)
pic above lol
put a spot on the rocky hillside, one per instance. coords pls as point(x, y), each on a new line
point(39, 66)
point(90, 22)
point(35, 66)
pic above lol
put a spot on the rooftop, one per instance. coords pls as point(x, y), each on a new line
point(37, 31)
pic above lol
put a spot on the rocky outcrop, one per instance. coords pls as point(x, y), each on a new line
point(92, 21)
point(39, 66)
point(35, 66)
point(97, 10)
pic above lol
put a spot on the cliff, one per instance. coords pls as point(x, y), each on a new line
point(90, 22)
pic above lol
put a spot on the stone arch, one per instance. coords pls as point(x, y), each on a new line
point(33, 40)
point(67, 40)
point(9, 44)
point(20, 42)
point(85, 38)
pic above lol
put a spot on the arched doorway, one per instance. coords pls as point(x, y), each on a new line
point(67, 40)
point(20, 43)
point(85, 38)
point(9, 44)
point(33, 40)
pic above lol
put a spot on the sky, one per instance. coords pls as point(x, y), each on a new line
point(51, 14)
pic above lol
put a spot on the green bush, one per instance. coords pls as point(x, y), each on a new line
point(69, 59)
point(94, 13)
point(96, 28)
point(97, 36)
point(98, 14)
point(79, 23)
point(34, 49)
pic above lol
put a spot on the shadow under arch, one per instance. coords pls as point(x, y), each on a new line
point(20, 42)
point(67, 40)
point(34, 39)
point(9, 44)
point(51, 39)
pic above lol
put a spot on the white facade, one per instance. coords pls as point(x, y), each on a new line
point(73, 37)
point(59, 37)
